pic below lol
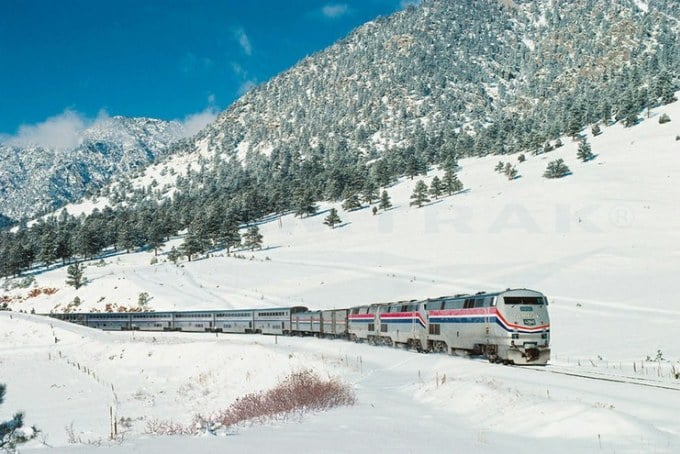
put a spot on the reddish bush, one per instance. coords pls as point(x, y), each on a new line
point(298, 393)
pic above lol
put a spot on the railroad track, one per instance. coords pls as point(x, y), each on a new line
point(607, 378)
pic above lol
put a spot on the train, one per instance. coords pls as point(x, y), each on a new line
point(509, 327)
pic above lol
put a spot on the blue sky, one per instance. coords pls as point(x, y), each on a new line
point(171, 59)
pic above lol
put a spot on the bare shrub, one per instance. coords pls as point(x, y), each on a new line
point(157, 427)
point(299, 393)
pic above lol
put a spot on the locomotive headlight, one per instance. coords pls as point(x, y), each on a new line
point(515, 336)
point(544, 335)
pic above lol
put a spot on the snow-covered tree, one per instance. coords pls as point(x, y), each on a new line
point(13, 432)
point(436, 187)
point(419, 196)
point(584, 152)
point(332, 219)
point(351, 203)
point(252, 238)
point(74, 275)
point(556, 169)
point(385, 201)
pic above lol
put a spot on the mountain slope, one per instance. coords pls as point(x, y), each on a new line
point(521, 73)
point(36, 179)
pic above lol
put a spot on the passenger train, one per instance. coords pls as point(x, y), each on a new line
point(511, 326)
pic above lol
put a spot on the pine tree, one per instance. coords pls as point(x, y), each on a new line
point(499, 167)
point(451, 182)
point(229, 235)
point(385, 201)
point(419, 195)
point(370, 192)
point(12, 432)
point(596, 130)
point(192, 244)
point(173, 255)
point(584, 152)
point(556, 169)
point(75, 275)
point(48, 247)
point(332, 218)
point(510, 171)
point(304, 204)
point(352, 203)
point(252, 238)
point(436, 187)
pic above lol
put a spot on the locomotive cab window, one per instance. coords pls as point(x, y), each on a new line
point(534, 300)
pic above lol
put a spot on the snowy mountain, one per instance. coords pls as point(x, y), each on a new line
point(37, 179)
point(512, 74)
point(436, 81)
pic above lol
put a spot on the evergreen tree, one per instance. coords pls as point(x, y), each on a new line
point(173, 255)
point(75, 275)
point(557, 169)
point(499, 167)
point(451, 182)
point(12, 432)
point(584, 152)
point(596, 130)
point(332, 219)
point(436, 187)
point(352, 203)
point(48, 247)
point(419, 196)
point(510, 171)
point(385, 201)
point(192, 244)
point(125, 238)
point(229, 235)
point(155, 235)
point(370, 192)
point(304, 204)
point(252, 238)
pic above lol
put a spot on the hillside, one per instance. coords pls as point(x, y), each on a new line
point(601, 243)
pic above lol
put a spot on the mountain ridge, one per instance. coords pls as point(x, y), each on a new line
point(435, 82)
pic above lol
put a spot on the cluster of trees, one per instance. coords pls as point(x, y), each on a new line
point(219, 204)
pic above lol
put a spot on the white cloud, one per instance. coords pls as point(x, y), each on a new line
point(62, 131)
point(243, 41)
point(335, 10)
point(193, 123)
point(406, 3)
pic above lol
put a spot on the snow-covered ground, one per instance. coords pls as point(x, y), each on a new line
point(602, 243)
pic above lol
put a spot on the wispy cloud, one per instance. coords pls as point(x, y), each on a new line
point(193, 123)
point(243, 41)
point(335, 10)
point(61, 131)
point(407, 3)
point(246, 80)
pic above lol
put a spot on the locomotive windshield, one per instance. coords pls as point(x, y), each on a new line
point(536, 300)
